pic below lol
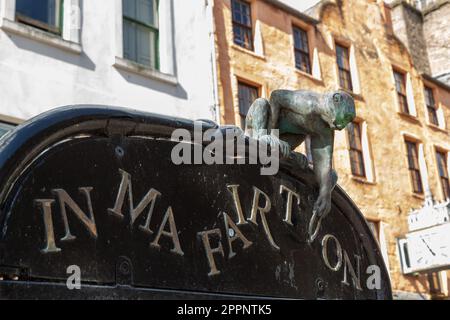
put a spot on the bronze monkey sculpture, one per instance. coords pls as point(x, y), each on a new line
point(301, 113)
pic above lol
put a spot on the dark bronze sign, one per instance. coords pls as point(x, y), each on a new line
point(95, 189)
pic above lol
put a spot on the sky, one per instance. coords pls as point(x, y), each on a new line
point(300, 4)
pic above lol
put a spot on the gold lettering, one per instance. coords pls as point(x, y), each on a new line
point(356, 277)
point(173, 234)
point(210, 251)
point(325, 241)
point(233, 188)
point(46, 205)
point(290, 195)
point(262, 211)
point(149, 198)
point(89, 222)
point(231, 227)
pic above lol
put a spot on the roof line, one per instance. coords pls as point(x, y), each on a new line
point(435, 81)
point(293, 11)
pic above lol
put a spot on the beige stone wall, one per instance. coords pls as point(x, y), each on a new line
point(426, 34)
point(361, 24)
point(409, 28)
point(437, 34)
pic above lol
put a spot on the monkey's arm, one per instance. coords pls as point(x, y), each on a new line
point(322, 154)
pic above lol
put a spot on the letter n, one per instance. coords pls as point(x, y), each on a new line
point(88, 221)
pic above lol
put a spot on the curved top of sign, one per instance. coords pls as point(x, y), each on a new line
point(100, 201)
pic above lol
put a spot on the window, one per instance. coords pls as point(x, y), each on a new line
point(400, 87)
point(343, 62)
point(413, 166)
point(140, 32)
point(431, 106)
point(246, 94)
point(356, 150)
point(42, 14)
point(301, 50)
point(441, 158)
point(242, 24)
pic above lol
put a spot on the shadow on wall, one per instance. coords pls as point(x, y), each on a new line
point(81, 60)
point(173, 90)
point(224, 67)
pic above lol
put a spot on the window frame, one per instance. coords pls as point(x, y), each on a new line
point(341, 69)
point(361, 170)
point(415, 173)
point(153, 29)
point(29, 21)
point(246, 84)
point(402, 96)
point(444, 180)
point(433, 108)
point(301, 51)
point(239, 24)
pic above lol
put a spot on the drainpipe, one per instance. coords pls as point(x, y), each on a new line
point(216, 106)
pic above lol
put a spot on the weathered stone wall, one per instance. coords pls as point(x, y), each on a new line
point(408, 26)
point(359, 23)
point(426, 34)
point(437, 34)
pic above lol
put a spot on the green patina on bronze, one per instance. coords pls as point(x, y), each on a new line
point(296, 115)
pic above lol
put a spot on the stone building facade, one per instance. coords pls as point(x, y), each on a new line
point(422, 25)
point(262, 45)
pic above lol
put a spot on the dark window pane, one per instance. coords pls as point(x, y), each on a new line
point(403, 103)
point(301, 50)
point(246, 95)
point(432, 115)
point(301, 39)
point(446, 188)
point(44, 14)
point(343, 62)
point(144, 11)
point(441, 158)
point(345, 79)
point(431, 106)
point(413, 166)
point(442, 164)
point(429, 98)
point(242, 24)
point(356, 153)
point(140, 35)
point(129, 8)
point(339, 57)
point(400, 87)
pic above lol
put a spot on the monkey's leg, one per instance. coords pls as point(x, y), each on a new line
point(256, 121)
point(276, 99)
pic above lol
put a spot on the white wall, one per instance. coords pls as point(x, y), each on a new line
point(36, 76)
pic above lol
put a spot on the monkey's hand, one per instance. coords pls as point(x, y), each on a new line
point(323, 205)
point(275, 142)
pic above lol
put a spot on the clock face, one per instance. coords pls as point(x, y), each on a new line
point(429, 248)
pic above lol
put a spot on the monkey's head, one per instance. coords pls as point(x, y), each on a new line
point(344, 109)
